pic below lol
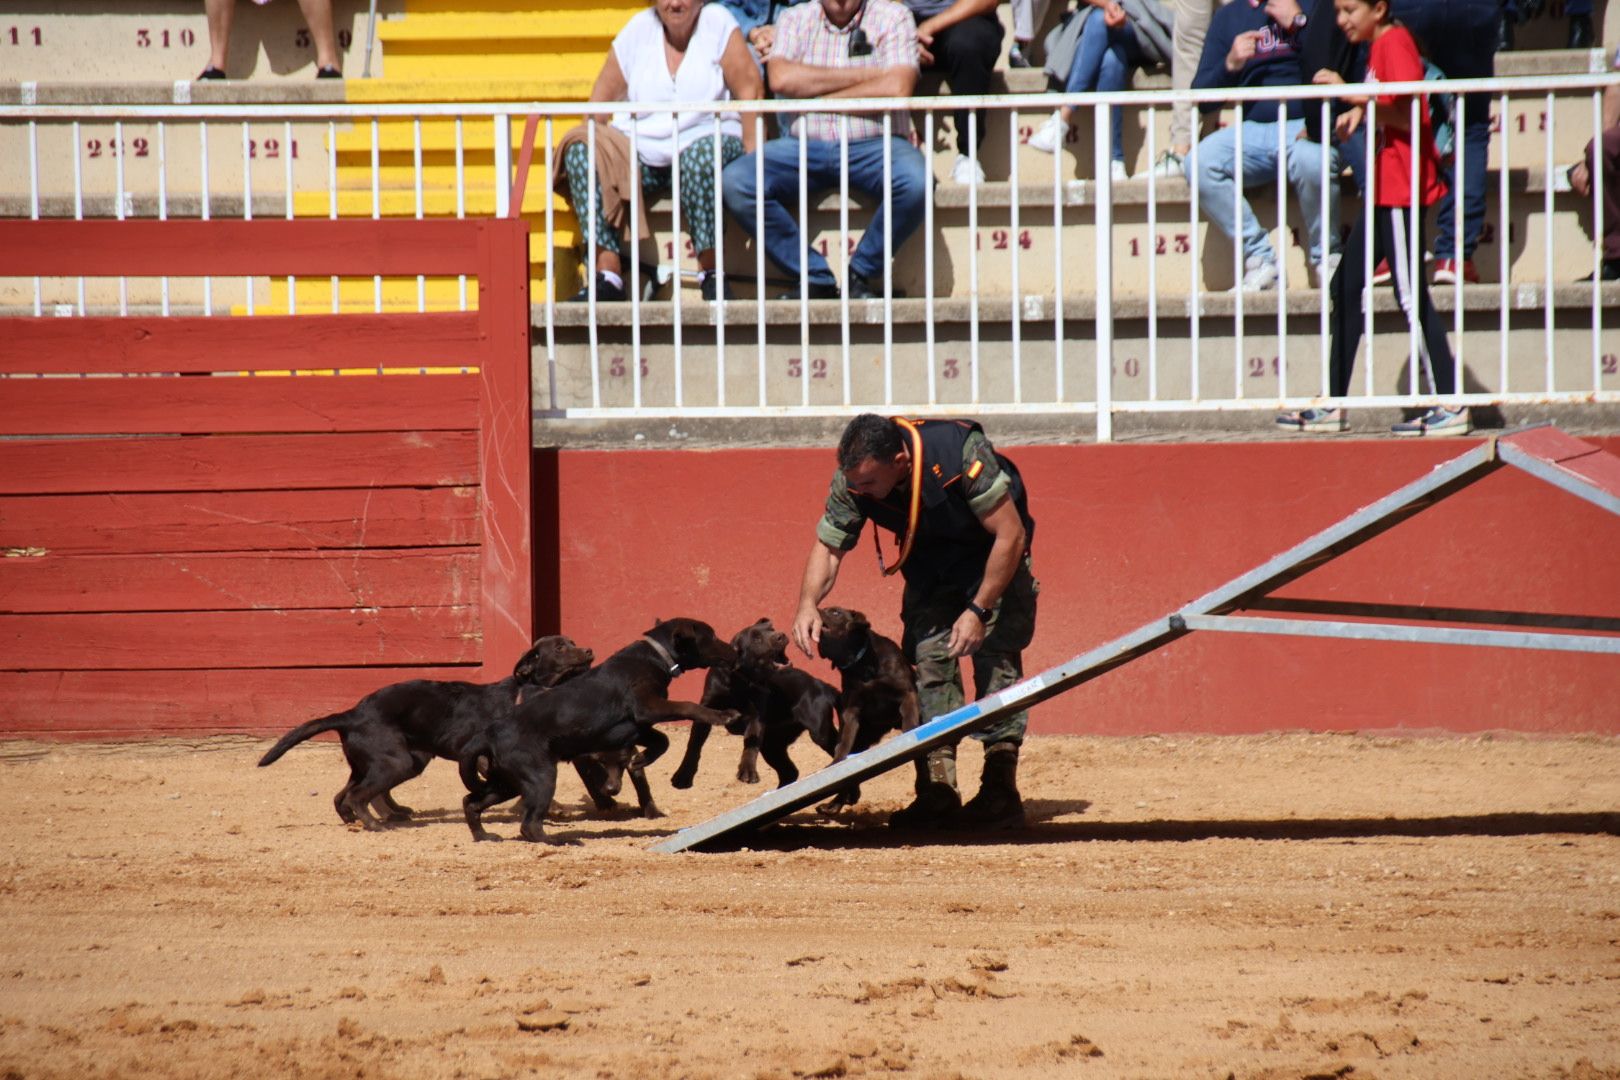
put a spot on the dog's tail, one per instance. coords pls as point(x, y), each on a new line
point(473, 754)
point(334, 722)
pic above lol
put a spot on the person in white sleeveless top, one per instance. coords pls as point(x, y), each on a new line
point(675, 51)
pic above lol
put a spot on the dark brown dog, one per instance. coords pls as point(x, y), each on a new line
point(610, 708)
point(392, 734)
point(778, 703)
point(879, 688)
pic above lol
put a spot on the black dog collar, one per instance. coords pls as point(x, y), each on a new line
point(854, 659)
point(663, 655)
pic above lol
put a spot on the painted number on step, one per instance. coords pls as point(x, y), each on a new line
point(1025, 131)
point(821, 246)
point(113, 148)
point(795, 367)
point(21, 35)
point(165, 39)
point(1180, 243)
point(271, 148)
point(617, 367)
point(1131, 367)
point(303, 40)
point(669, 249)
point(1001, 239)
point(1611, 364)
point(1259, 367)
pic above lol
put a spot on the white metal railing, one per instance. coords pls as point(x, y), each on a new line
point(1065, 344)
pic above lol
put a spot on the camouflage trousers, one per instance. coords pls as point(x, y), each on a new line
point(999, 663)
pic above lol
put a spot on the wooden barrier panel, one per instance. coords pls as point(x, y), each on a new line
point(192, 548)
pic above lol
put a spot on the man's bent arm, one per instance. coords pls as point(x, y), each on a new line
point(1008, 549)
point(820, 571)
point(791, 78)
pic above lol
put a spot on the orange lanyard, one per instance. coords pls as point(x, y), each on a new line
point(916, 502)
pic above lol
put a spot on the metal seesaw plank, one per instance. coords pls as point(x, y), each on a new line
point(1566, 462)
point(1354, 530)
point(942, 729)
point(1433, 635)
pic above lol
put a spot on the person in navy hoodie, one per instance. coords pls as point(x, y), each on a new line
point(1255, 44)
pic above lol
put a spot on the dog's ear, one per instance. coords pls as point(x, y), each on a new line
point(859, 619)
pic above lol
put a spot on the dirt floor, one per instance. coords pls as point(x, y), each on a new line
point(1282, 906)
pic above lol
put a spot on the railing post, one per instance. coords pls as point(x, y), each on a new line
point(1102, 158)
point(503, 166)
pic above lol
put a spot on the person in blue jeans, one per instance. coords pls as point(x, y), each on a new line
point(1106, 56)
point(831, 49)
point(1253, 44)
point(1460, 38)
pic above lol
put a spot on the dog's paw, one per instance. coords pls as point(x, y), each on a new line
point(748, 776)
point(831, 806)
point(681, 780)
point(650, 811)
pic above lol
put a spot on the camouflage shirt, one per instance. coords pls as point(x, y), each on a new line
point(984, 484)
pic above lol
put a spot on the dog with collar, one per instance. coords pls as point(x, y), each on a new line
point(609, 709)
point(392, 734)
point(879, 693)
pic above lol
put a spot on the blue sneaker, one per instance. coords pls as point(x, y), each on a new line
point(1313, 420)
point(1436, 423)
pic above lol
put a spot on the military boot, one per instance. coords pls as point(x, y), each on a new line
point(937, 801)
point(997, 805)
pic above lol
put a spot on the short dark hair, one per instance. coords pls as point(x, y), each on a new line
point(869, 436)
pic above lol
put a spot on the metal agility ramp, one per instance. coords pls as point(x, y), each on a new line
point(1544, 452)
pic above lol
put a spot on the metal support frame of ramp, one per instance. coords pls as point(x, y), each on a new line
point(1544, 452)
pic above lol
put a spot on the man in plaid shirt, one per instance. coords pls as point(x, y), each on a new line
point(837, 49)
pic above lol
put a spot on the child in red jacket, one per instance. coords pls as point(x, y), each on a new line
point(1393, 57)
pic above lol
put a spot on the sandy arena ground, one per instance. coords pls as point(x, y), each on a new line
point(1285, 906)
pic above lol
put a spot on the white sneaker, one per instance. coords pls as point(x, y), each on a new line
point(1328, 267)
point(1116, 172)
point(1050, 135)
point(1259, 274)
point(1169, 166)
point(966, 170)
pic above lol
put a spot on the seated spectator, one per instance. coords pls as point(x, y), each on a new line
point(1460, 38)
point(1259, 46)
point(317, 13)
point(1603, 153)
point(961, 39)
point(677, 50)
point(1109, 50)
point(1191, 26)
point(837, 49)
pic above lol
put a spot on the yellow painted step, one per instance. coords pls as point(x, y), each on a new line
point(446, 87)
point(549, 26)
point(572, 72)
point(439, 135)
point(480, 202)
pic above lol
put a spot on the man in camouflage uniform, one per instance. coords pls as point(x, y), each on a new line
point(959, 512)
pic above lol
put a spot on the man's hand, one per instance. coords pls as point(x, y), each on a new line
point(1113, 15)
point(763, 39)
point(807, 630)
point(925, 52)
point(967, 634)
point(1242, 50)
point(1347, 123)
point(1580, 179)
point(1327, 77)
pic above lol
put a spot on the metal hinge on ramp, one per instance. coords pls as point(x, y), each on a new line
point(1543, 451)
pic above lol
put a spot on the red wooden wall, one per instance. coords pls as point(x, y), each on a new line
point(1125, 534)
point(192, 551)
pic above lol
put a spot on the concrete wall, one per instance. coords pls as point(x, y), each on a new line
point(1126, 534)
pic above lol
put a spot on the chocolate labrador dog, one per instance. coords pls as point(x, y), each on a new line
point(392, 734)
point(879, 688)
point(778, 703)
point(610, 708)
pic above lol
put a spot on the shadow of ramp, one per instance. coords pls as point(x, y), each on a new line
point(799, 835)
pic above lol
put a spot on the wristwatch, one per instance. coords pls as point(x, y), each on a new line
point(983, 614)
point(1298, 24)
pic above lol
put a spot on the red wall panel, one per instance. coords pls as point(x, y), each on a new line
point(1126, 534)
